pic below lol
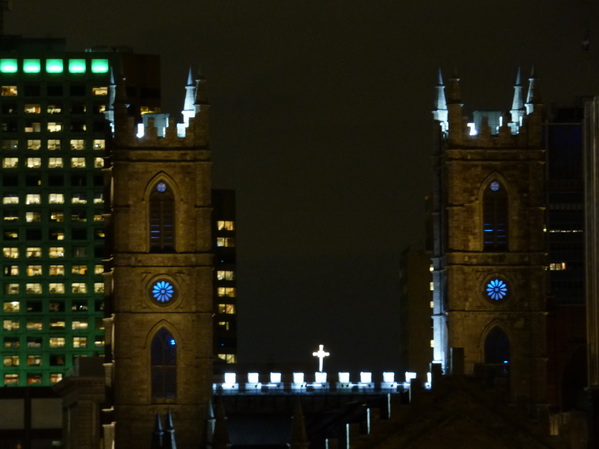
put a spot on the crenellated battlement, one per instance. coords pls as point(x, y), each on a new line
point(161, 130)
point(520, 127)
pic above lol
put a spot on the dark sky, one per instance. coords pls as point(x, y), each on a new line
point(321, 122)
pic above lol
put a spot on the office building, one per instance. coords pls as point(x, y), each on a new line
point(54, 105)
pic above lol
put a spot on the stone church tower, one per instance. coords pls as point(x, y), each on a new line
point(489, 250)
point(161, 278)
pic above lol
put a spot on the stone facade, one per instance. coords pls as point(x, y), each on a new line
point(139, 166)
point(469, 165)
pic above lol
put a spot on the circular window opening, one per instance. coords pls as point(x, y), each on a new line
point(161, 187)
point(494, 186)
point(497, 289)
point(163, 292)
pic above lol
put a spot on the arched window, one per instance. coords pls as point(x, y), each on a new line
point(164, 365)
point(162, 219)
point(495, 218)
point(497, 355)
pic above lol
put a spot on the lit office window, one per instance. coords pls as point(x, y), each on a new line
point(226, 292)
point(33, 288)
point(99, 341)
point(102, 90)
point(11, 270)
point(56, 287)
point(35, 325)
point(78, 162)
point(227, 358)
point(31, 217)
point(11, 306)
point(227, 242)
point(54, 108)
point(77, 144)
point(11, 325)
point(79, 269)
point(10, 253)
point(34, 162)
point(32, 109)
point(78, 198)
point(98, 198)
point(57, 217)
point(56, 252)
point(34, 379)
point(53, 144)
point(224, 325)
point(55, 378)
point(79, 342)
point(34, 144)
point(11, 215)
point(225, 275)
point(57, 342)
point(79, 287)
point(99, 287)
point(33, 127)
point(225, 225)
point(9, 144)
point(226, 308)
point(11, 379)
point(79, 325)
point(99, 144)
point(33, 198)
point(11, 235)
point(11, 360)
point(34, 270)
point(99, 162)
point(56, 234)
point(54, 127)
point(57, 324)
point(33, 252)
point(9, 91)
point(34, 342)
point(56, 198)
point(55, 162)
point(34, 360)
point(56, 270)
point(98, 269)
point(10, 162)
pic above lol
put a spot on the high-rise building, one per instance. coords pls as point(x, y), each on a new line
point(225, 285)
point(53, 128)
point(489, 252)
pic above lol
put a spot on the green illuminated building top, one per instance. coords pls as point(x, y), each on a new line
point(53, 129)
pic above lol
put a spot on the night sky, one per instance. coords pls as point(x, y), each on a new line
point(321, 121)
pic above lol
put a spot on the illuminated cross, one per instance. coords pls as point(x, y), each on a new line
point(321, 354)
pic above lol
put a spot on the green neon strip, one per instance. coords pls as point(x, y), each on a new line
point(54, 66)
point(100, 65)
point(32, 66)
point(8, 66)
point(76, 65)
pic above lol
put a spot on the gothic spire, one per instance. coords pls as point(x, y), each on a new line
point(169, 433)
point(533, 98)
point(518, 109)
point(440, 111)
point(158, 433)
point(190, 96)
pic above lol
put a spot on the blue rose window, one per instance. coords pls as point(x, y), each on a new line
point(163, 291)
point(497, 289)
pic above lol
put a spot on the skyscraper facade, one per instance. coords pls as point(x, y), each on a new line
point(54, 105)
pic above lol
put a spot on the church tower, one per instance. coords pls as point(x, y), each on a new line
point(160, 281)
point(489, 250)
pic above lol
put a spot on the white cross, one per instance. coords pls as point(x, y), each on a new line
point(321, 354)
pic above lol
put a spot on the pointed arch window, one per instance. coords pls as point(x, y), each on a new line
point(497, 356)
point(162, 218)
point(495, 218)
point(164, 365)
